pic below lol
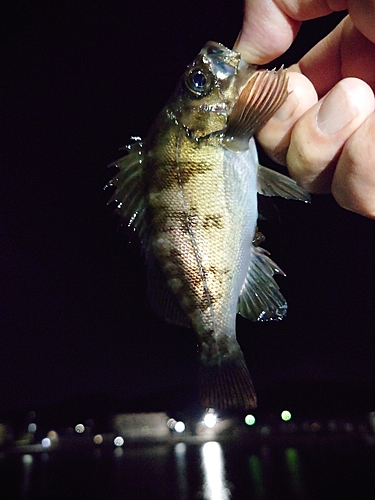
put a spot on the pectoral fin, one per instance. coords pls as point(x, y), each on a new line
point(272, 183)
point(261, 97)
point(129, 195)
point(260, 298)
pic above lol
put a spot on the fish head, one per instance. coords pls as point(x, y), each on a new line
point(208, 90)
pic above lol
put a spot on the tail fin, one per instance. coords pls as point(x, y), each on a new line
point(227, 385)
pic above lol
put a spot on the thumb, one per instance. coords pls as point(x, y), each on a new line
point(266, 33)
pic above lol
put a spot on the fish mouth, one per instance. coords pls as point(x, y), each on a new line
point(224, 62)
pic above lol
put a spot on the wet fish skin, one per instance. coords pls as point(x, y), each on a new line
point(190, 190)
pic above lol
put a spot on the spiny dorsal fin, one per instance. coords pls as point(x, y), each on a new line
point(261, 97)
point(260, 298)
point(271, 183)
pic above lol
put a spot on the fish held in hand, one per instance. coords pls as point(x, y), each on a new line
point(189, 189)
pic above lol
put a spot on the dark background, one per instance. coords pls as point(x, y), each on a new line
point(76, 328)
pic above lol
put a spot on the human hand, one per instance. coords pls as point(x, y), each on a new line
point(325, 131)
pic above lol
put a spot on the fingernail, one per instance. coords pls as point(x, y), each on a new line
point(287, 109)
point(337, 110)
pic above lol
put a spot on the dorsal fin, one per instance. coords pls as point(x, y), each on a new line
point(261, 97)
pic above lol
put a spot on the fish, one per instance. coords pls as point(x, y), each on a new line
point(189, 191)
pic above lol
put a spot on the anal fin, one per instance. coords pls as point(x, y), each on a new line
point(260, 298)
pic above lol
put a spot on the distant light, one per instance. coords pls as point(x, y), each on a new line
point(179, 426)
point(306, 426)
point(118, 441)
point(171, 423)
point(46, 442)
point(98, 439)
point(348, 427)
point(286, 415)
point(315, 426)
point(3, 432)
point(210, 419)
point(31, 428)
point(332, 425)
point(371, 418)
point(53, 437)
point(27, 459)
point(79, 428)
point(249, 419)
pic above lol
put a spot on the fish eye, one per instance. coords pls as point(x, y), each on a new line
point(199, 82)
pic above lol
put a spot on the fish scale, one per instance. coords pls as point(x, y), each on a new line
point(196, 181)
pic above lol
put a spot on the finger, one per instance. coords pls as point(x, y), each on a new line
point(266, 33)
point(353, 184)
point(345, 52)
point(357, 54)
point(270, 26)
point(275, 135)
point(363, 14)
point(320, 134)
point(322, 64)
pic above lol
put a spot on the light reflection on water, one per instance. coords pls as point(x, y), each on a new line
point(189, 470)
point(294, 470)
point(182, 483)
point(256, 474)
point(215, 485)
point(28, 462)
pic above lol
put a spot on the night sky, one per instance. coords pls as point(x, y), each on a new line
point(75, 322)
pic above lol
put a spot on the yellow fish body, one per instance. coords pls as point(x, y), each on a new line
point(190, 191)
